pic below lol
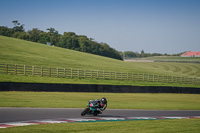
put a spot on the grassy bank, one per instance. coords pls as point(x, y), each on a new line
point(147, 126)
point(115, 100)
point(15, 51)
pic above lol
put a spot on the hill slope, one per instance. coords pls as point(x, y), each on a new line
point(15, 51)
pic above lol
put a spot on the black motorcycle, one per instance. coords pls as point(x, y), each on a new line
point(92, 108)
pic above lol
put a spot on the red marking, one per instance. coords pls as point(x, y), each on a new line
point(101, 104)
point(35, 122)
point(66, 120)
point(160, 117)
point(194, 117)
point(128, 118)
point(5, 126)
point(96, 118)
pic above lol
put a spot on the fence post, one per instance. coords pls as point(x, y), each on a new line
point(193, 81)
point(41, 71)
point(170, 79)
point(64, 72)
point(196, 81)
point(132, 76)
point(164, 79)
point(33, 70)
point(97, 74)
point(78, 73)
point(153, 77)
point(49, 71)
point(103, 75)
point(57, 71)
point(176, 79)
point(24, 70)
point(15, 69)
point(85, 74)
point(6, 68)
point(183, 80)
point(143, 76)
point(71, 73)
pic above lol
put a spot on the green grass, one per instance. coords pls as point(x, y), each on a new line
point(146, 126)
point(115, 100)
point(15, 51)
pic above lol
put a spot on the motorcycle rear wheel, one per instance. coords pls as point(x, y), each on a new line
point(95, 114)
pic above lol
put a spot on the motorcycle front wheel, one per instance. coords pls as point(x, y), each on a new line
point(85, 112)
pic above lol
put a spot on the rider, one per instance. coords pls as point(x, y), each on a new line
point(102, 104)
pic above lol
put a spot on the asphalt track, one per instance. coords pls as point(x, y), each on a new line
point(25, 114)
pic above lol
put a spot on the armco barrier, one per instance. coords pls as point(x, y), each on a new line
point(52, 87)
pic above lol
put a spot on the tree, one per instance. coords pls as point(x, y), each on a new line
point(130, 54)
point(21, 35)
point(85, 45)
point(69, 40)
point(142, 53)
point(17, 27)
point(53, 36)
point(5, 31)
point(34, 34)
point(43, 37)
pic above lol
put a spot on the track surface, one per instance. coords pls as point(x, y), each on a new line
point(24, 114)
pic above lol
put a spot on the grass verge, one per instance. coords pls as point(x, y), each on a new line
point(146, 126)
point(115, 100)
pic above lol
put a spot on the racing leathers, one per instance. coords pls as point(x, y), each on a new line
point(102, 106)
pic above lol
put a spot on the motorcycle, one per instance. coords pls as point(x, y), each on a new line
point(92, 108)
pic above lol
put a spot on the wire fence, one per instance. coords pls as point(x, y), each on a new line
point(87, 74)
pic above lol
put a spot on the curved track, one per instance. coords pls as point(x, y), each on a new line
point(24, 114)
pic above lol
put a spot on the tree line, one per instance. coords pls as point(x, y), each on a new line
point(131, 54)
point(68, 40)
point(142, 54)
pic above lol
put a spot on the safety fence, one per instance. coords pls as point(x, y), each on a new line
point(89, 74)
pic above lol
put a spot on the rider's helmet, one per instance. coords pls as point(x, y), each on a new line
point(103, 100)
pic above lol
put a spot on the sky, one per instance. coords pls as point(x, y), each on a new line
point(155, 26)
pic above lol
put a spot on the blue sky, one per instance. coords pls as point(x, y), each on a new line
point(155, 26)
